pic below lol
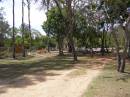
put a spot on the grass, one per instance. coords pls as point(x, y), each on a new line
point(11, 68)
point(110, 83)
point(13, 73)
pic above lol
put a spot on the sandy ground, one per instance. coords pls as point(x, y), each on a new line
point(56, 86)
point(61, 84)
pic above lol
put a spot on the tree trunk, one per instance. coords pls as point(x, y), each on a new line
point(29, 22)
point(122, 67)
point(73, 48)
point(70, 17)
point(13, 39)
point(102, 45)
point(91, 48)
point(118, 61)
point(1, 40)
point(69, 47)
point(23, 47)
point(60, 45)
point(48, 43)
point(119, 57)
point(48, 33)
point(129, 50)
point(91, 52)
point(124, 54)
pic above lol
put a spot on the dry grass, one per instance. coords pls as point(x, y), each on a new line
point(77, 72)
point(53, 76)
point(23, 73)
point(110, 83)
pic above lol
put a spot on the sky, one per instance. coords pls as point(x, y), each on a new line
point(37, 16)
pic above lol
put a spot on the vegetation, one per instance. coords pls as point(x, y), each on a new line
point(96, 28)
point(88, 24)
point(110, 83)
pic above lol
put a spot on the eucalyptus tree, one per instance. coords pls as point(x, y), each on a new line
point(103, 28)
point(47, 3)
point(23, 47)
point(116, 10)
point(29, 21)
point(13, 38)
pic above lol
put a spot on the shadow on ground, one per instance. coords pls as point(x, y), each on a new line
point(25, 74)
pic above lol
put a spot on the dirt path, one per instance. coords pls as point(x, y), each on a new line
point(62, 85)
point(57, 83)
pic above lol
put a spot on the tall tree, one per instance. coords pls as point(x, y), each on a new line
point(29, 21)
point(71, 22)
point(13, 38)
point(48, 33)
point(115, 11)
point(70, 19)
point(23, 47)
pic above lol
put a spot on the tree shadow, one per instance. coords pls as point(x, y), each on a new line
point(25, 74)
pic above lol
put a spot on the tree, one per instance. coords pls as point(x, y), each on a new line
point(26, 35)
point(55, 25)
point(29, 21)
point(4, 28)
point(67, 4)
point(23, 47)
point(70, 29)
point(13, 38)
point(46, 5)
point(115, 11)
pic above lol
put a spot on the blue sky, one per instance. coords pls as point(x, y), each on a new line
point(37, 15)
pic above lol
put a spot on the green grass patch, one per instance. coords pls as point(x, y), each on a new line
point(110, 83)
